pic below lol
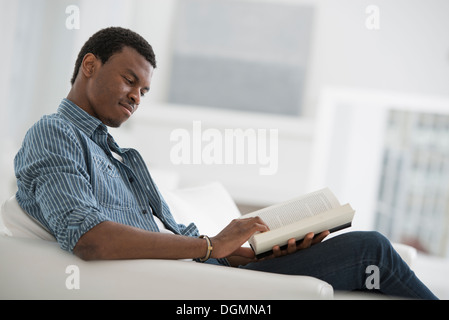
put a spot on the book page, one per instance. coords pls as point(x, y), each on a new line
point(299, 208)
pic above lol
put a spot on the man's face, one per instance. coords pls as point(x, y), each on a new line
point(114, 89)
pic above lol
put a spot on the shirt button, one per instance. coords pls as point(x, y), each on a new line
point(131, 179)
point(144, 211)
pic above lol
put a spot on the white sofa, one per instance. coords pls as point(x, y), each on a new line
point(32, 266)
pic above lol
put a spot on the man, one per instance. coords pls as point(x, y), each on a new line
point(100, 201)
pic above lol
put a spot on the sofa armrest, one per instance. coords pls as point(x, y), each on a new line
point(37, 269)
point(407, 253)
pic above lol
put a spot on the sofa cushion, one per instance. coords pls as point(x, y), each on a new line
point(210, 206)
point(15, 222)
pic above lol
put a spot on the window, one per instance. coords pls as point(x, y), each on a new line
point(413, 191)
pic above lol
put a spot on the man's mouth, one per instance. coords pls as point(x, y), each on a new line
point(127, 107)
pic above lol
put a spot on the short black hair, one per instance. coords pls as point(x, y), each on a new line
point(106, 42)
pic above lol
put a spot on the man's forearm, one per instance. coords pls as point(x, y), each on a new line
point(110, 240)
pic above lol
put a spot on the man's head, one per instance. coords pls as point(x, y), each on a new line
point(112, 72)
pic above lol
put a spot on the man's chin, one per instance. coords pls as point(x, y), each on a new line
point(113, 123)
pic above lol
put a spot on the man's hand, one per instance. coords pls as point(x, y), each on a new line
point(229, 241)
point(308, 241)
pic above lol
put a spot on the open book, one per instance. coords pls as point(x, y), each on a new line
point(314, 212)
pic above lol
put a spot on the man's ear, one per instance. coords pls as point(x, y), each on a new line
point(89, 65)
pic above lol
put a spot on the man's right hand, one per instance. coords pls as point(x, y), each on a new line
point(229, 241)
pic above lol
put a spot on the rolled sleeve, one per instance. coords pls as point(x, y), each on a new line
point(79, 221)
point(54, 185)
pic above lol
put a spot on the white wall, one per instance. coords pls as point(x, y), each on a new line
point(409, 53)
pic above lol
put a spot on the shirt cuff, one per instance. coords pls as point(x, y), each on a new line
point(79, 221)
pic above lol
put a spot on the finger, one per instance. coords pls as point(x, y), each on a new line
point(260, 223)
point(307, 242)
point(255, 223)
point(261, 227)
point(320, 237)
point(277, 251)
point(291, 247)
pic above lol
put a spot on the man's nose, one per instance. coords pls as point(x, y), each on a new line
point(134, 96)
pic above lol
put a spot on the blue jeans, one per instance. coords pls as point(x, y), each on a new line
point(342, 262)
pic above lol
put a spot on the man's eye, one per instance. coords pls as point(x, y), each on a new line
point(128, 80)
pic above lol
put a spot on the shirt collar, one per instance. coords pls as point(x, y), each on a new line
point(80, 118)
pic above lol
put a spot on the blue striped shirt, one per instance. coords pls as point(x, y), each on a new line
point(69, 180)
